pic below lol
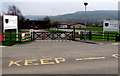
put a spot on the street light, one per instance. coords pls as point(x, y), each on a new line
point(85, 4)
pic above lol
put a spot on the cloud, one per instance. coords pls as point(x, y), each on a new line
point(60, 1)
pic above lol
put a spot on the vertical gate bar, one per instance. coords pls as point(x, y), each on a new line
point(10, 36)
point(52, 35)
point(108, 37)
point(116, 38)
point(33, 35)
point(81, 35)
point(90, 35)
point(72, 35)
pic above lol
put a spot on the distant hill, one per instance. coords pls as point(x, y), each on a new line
point(92, 17)
point(34, 17)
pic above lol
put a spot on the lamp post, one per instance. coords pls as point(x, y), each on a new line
point(85, 4)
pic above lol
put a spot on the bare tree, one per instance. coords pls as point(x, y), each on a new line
point(13, 10)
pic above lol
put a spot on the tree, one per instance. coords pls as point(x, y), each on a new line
point(48, 22)
point(13, 10)
point(55, 24)
point(1, 23)
point(47, 19)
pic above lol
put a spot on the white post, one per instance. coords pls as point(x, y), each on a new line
point(4, 33)
point(103, 32)
point(103, 29)
point(103, 35)
point(16, 34)
point(31, 31)
point(85, 19)
point(118, 27)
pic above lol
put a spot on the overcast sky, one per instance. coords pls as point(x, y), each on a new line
point(57, 7)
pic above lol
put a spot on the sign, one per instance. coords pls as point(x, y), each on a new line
point(110, 25)
point(1, 37)
point(10, 22)
point(23, 36)
point(43, 36)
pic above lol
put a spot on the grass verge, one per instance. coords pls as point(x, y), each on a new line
point(55, 31)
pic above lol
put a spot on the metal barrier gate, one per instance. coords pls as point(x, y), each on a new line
point(52, 35)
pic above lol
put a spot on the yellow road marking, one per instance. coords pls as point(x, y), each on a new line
point(115, 55)
point(58, 60)
point(101, 43)
point(115, 43)
point(31, 62)
point(55, 40)
point(2, 46)
point(15, 63)
point(91, 58)
point(46, 61)
point(60, 40)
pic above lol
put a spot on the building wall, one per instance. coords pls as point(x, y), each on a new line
point(78, 26)
point(63, 26)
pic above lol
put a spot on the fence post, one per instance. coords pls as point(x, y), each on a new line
point(73, 32)
point(117, 37)
point(20, 36)
point(31, 36)
point(90, 35)
point(25, 36)
point(81, 35)
point(72, 35)
point(108, 37)
point(10, 35)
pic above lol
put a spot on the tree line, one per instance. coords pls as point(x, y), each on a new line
point(26, 23)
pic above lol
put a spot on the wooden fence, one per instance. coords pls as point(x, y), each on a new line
point(13, 37)
point(100, 36)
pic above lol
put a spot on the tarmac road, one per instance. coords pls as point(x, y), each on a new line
point(60, 58)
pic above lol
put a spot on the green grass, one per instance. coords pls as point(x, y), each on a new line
point(55, 31)
point(8, 43)
point(99, 29)
point(100, 37)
